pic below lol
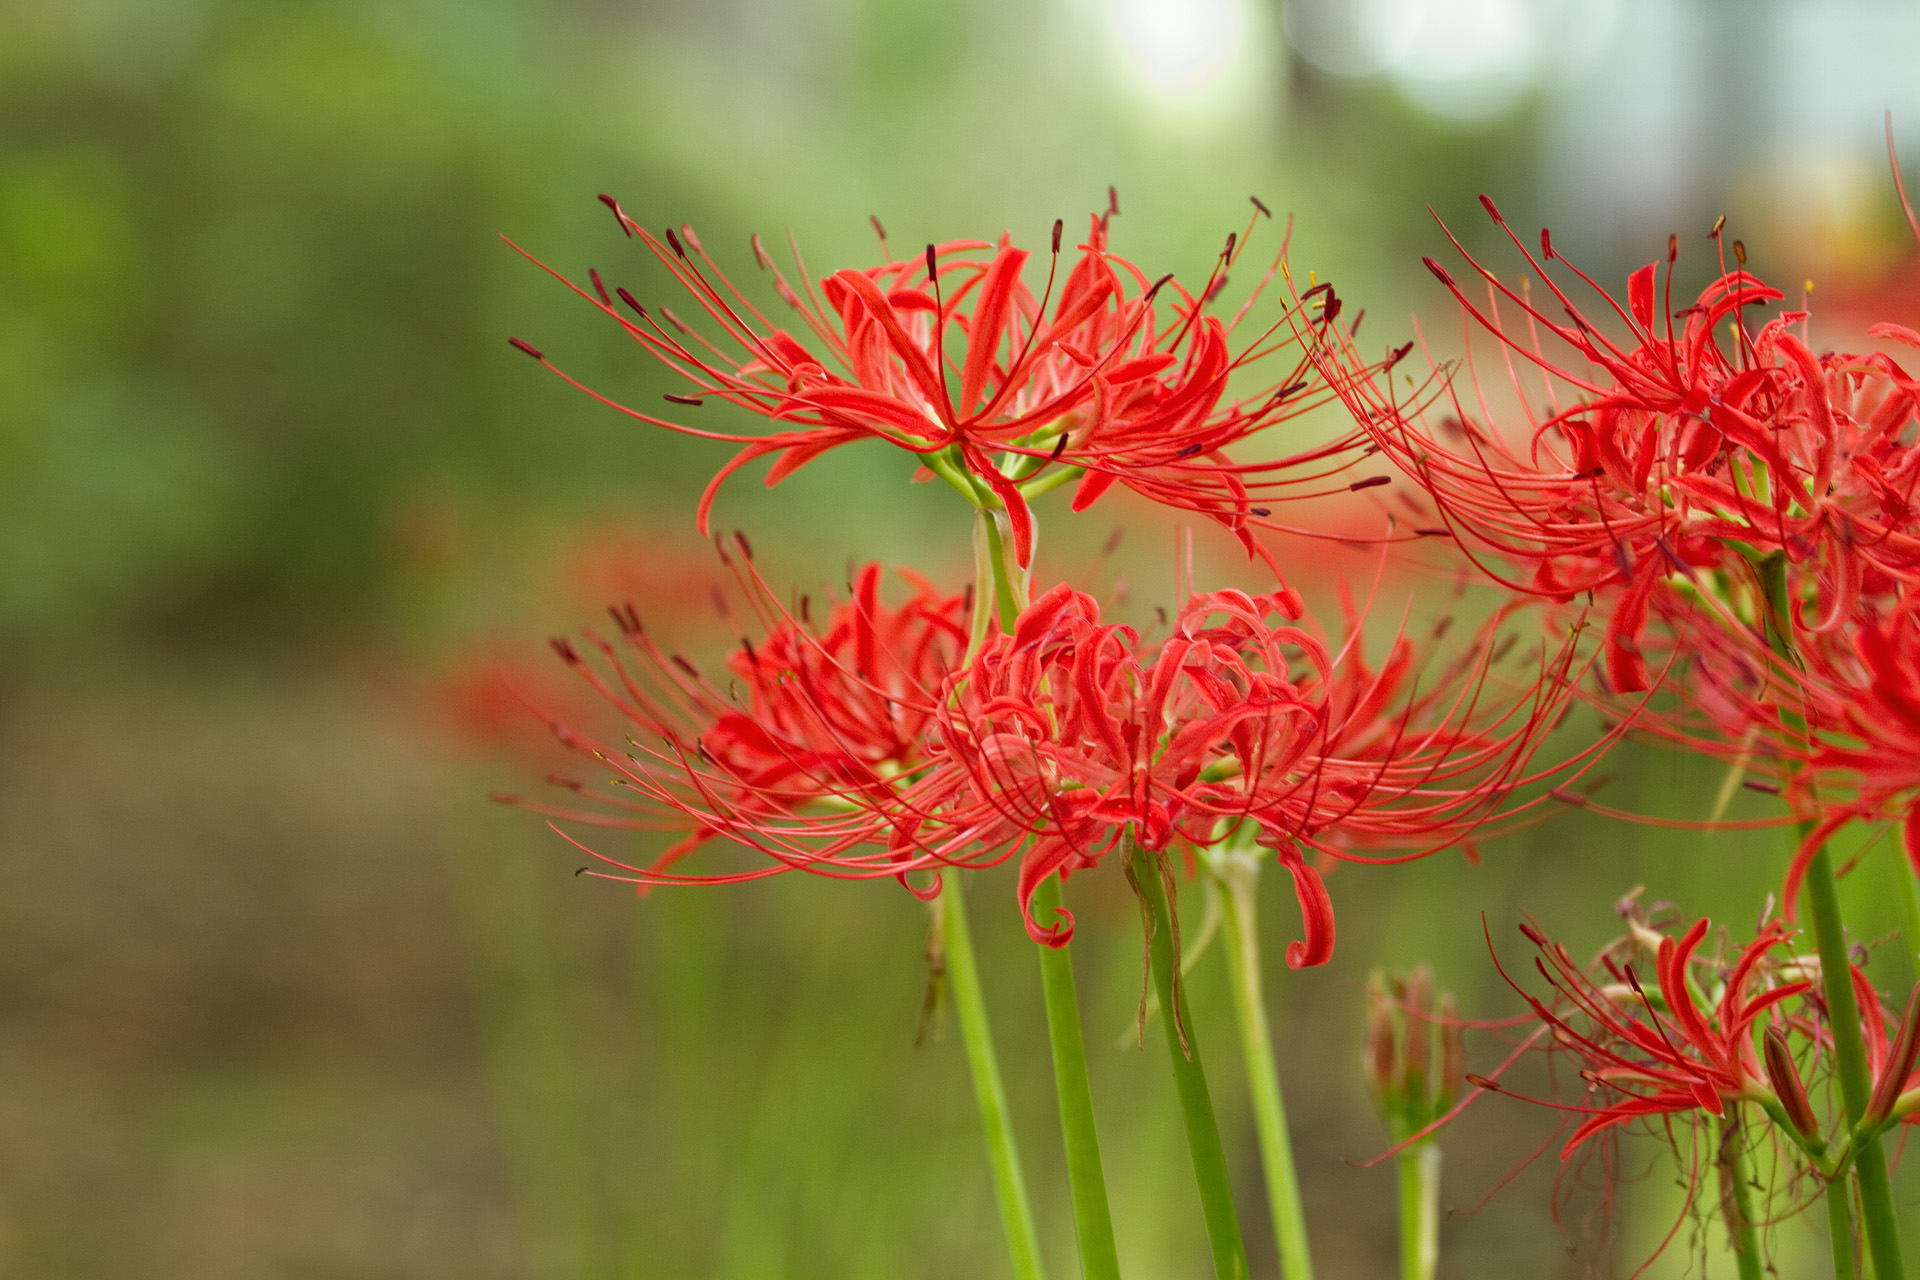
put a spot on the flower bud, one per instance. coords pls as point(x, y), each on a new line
point(1785, 1080)
point(1416, 1002)
point(1898, 1065)
point(1453, 1053)
point(1379, 1057)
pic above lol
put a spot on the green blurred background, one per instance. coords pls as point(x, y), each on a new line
point(281, 995)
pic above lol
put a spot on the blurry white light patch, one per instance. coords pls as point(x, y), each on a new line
point(1197, 56)
point(1468, 59)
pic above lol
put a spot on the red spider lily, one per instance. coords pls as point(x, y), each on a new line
point(1079, 737)
point(860, 751)
point(1662, 1053)
point(833, 716)
point(1671, 446)
point(1124, 380)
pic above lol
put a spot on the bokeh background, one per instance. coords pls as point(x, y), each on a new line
point(282, 995)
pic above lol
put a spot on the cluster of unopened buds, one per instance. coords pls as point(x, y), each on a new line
point(1729, 507)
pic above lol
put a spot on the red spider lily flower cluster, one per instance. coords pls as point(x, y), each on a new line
point(1105, 377)
point(1664, 452)
point(1714, 1032)
point(1659, 1053)
point(1055, 743)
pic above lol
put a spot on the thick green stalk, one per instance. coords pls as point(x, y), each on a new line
point(1733, 1168)
point(963, 980)
point(1420, 1211)
point(1878, 1221)
point(1196, 1106)
point(1092, 1221)
point(1840, 1229)
point(1239, 876)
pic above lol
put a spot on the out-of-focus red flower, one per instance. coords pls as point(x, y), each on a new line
point(1835, 729)
point(1668, 451)
point(1106, 377)
point(830, 715)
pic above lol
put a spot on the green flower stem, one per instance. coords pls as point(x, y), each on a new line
point(1092, 1221)
point(1877, 1217)
point(1196, 1107)
point(1420, 1211)
point(1734, 1168)
point(1238, 873)
point(1840, 1229)
point(963, 981)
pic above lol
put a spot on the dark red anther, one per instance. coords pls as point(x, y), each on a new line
point(628, 299)
point(1059, 447)
point(740, 541)
point(1358, 316)
point(564, 647)
point(614, 205)
point(1546, 244)
point(878, 230)
point(1190, 450)
point(806, 607)
point(746, 643)
point(1260, 206)
point(1434, 533)
point(1371, 482)
point(933, 263)
point(1481, 1082)
point(1764, 788)
point(1158, 284)
point(1292, 388)
point(674, 241)
point(1330, 312)
point(1486, 202)
point(599, 285)
point(1439, 272)
point(1113, 202)
point(526, 346)
point(627, 618)
point(1534, 936)
point(1399, 354)
point(1260, 511)
point(1059, 225)
point(1673, 248)
point(1232, 238)
point(685, 666)
point(692, 402)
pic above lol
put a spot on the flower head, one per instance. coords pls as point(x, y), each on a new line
point(1664, 452)
point(1105, 377)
